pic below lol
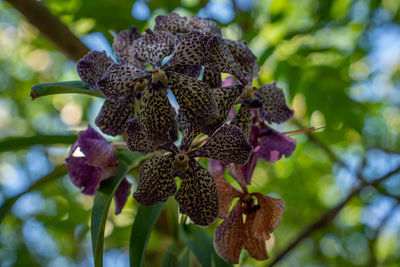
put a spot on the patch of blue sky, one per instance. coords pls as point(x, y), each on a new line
point(373, 214)
point(379, 163)
point(140, 10)
point(14, 179)
point(244, 5)
point(220, 10)
point(37, 163)
point(38, 240)
point(28, 205)
point(98, 42)
point(115, 257)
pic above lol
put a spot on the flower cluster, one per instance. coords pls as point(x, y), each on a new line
point(184, 58)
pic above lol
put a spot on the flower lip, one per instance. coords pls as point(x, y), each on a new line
point(158, 76)
point(181, 162)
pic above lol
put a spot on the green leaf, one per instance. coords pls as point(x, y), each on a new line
point(176, 257)
point(57, 172)
point(145, 219)
point(102, 201)
point(16, 143)
point(201, 245)
point(72, 87)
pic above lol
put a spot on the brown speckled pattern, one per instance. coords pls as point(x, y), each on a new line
point(152, 47)
point(243, 56)
point(256, 247)
point(274, 108)
point(221, 59)
point(92, 67)
point(137, 140)
point(195, 99)
point(189, 132)
point(205, 25)
point(172, 23)
point(212, 78)
point(112, 117)
point(122, 46)
point(197, 195)
point(155, 115)
point(119, 80)
point(243, 120)
point(228, 144)
point(155, 182)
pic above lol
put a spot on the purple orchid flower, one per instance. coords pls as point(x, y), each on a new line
point(91, 160)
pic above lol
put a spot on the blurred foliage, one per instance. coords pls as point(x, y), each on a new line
point(339, 63)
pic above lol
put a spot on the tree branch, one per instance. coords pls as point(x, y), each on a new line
point(51, 26)
point(328, 216)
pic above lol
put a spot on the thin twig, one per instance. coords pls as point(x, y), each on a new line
point(51, 26)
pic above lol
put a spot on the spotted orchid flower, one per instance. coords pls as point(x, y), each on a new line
point(197, 195)
point(262, 215)
point(92, 160)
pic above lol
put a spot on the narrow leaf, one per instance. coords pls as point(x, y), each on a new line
point(102, 203)
point(145, 219)
point(71, 87)
point(57, 172)
point(16, 143)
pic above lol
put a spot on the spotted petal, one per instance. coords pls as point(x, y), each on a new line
point(225, 98)
point(226, 193)
point(137, 140)
point(92, 67)
point(155, 116)
point(195, 99)
point(256, 247)
point(120, 80)
point(155, 182)
point(229, 235)
point(274, 108)
point(205, 24)
point(122, 46)
point(190, 49)
point(153, 47)
point(113, 116)
point(212, 78)
point(243, 120)
point(228, 144)
point(268, 216)
point(198, 195)
point(172, 23)
point(243, 56)
point(221, 59)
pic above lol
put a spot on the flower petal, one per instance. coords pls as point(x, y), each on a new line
point(120, 80)
point(268, 216)
point(122, 46)
point(228, 144)
point(153, 47)
point(226, 193)
point(190, 49)
point(113, 117)
point(216, 167)
point(274, 108)
point(155, 115)
point(229, 235)
point(243, 56)
point(83, 175)
point(249, 167)
point(221, 59)
point(256, 248)
point(189, 132)
point(172, 23)
point(195, 99)
point(198, 195)
point(225, 98)
point(92, 67)
point(212, 78)
point(155, 182)
point(121, 195)
point(137, 140)
point(273, 145)
point(97, 150)
point(205, 24)
point(243, 120)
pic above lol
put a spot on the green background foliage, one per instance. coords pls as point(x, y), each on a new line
point(339, 63)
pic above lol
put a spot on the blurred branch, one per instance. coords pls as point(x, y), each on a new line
point(328, 216)
point(51, 26)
